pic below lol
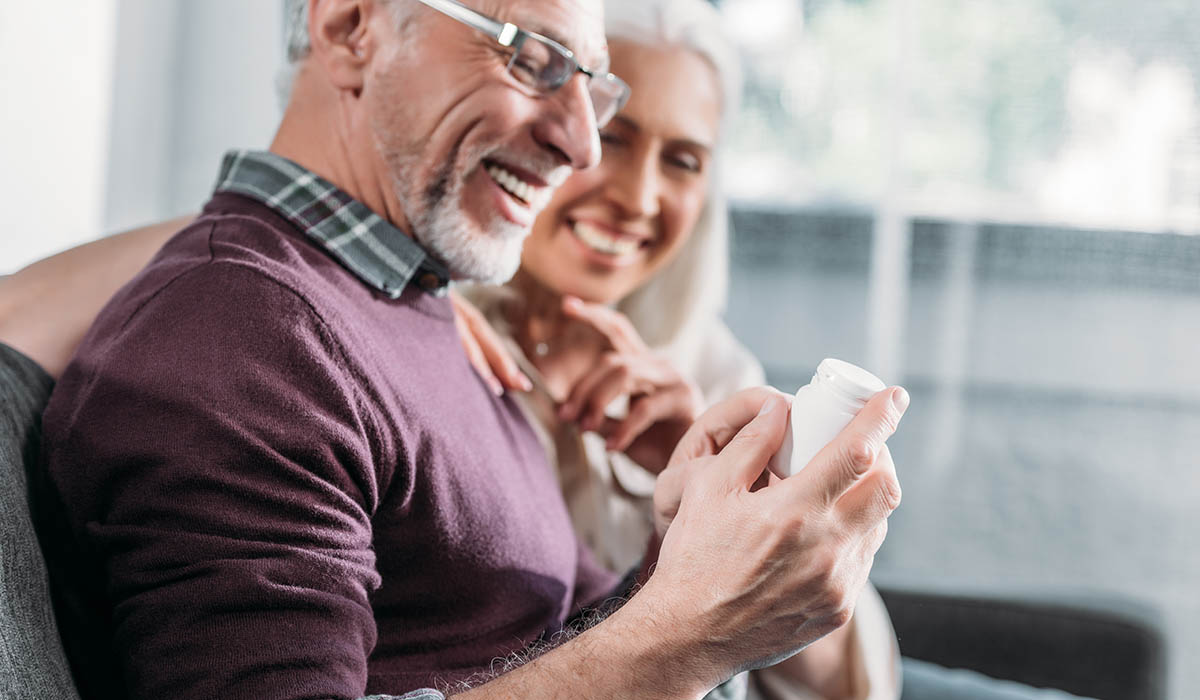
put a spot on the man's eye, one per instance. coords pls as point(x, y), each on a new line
point(530, 62)
point(523, 68)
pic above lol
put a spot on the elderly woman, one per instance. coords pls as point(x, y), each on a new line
point(611, 328)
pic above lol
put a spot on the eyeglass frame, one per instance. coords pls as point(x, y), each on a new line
point(510, 36)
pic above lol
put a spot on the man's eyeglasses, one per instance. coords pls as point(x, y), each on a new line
point(541, 63)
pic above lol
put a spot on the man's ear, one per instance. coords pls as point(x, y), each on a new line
point(341, 43)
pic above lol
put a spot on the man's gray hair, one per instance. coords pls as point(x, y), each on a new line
point(295, 29)
point(298, 45)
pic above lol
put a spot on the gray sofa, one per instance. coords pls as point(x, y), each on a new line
point(1105, 648)
point(32, 662)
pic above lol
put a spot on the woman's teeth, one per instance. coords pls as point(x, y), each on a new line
point(601, 242)
point(512, 184)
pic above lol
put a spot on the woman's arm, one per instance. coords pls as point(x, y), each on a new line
point(47, 307)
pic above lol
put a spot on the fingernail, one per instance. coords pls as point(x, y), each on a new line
point(768, 406)
point(525, 382)
point(570, 302)
point(900, 399)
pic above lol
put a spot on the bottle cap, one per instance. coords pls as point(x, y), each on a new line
point(850, 380)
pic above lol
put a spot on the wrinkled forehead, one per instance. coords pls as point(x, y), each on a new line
point(576, 24)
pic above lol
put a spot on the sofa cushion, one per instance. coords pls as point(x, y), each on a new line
point(32, 662)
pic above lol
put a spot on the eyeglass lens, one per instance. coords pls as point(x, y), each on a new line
point(540, 66)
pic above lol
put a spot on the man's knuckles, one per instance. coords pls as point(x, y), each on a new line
point(856, 457)
point(841, 616)
point(835, 604)
point(890, 492)
point(890, 420)
point(885, 492)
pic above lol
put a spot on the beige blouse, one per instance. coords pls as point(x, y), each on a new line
point(610, 499)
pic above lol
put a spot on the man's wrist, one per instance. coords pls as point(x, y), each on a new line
point(652, 644)
point(650, 560)
point(639, 651)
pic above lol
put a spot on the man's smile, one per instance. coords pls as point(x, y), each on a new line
point(529, 190)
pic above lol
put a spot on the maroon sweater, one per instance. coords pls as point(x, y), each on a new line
point(284, 484)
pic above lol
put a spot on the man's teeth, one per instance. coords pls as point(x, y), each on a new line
point(514, 185)
point(597, 240)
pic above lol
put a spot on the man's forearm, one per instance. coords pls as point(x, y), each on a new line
point(636, 652)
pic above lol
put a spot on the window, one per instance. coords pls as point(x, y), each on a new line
point(995, 203)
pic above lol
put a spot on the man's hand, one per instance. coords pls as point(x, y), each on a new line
point(662, 402)
point(752, 568)
point(757, 567)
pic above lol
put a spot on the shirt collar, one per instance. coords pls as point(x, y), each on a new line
point(377, 252)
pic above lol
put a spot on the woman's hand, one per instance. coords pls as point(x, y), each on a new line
point(662, 402)
point(486, 350)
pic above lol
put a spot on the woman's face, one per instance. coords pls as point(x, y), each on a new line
point(608, 229)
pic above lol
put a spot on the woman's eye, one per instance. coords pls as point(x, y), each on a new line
point(608, 138)
point(685, 161)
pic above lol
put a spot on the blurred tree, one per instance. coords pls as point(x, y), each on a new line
point(986, 85)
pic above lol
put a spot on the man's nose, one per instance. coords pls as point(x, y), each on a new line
point(569, 125)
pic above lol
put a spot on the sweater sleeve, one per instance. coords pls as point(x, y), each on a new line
point(220, 467)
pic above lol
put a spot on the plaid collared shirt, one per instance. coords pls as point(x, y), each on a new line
point(377, 252)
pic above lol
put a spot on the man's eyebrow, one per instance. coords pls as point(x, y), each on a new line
point(546, 32)
point(558, 38)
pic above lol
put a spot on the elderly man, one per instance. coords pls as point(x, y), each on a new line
point(282, 478)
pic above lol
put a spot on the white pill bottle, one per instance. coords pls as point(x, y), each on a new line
point(821, 409)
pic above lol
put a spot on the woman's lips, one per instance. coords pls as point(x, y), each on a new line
point(605, 246)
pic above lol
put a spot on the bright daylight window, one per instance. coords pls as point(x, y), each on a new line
point(1066, 111)
point(995, 203)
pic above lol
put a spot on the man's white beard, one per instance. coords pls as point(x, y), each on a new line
point(491, 255)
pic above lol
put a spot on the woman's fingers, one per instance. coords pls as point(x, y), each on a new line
point(486, 350)
point(579, 399)
point(475, 355)
point(611, 324)
point(645, 411)
point(597, 389)
point(498, 356)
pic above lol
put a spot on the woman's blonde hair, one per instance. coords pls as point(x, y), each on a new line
point(673, 309)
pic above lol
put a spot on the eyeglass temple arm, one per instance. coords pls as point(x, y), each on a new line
point(503, 32)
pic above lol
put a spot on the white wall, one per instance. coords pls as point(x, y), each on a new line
point(193, 79)
point(56, 77)
point(120, 115)
point(229, 54)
